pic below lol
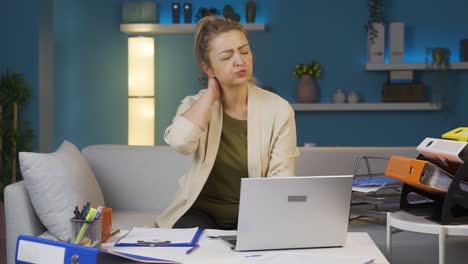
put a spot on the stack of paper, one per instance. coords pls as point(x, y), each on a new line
point(371, 183)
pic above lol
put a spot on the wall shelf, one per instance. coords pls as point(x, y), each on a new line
point(368, 107)
point(412, 66)
point(174, 28)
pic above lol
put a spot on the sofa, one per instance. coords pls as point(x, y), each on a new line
point(139, 182)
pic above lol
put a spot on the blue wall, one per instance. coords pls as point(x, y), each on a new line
point(91, 68)
point(90, 73)
point(19, 47)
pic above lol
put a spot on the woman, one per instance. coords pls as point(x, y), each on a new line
point(233, 128)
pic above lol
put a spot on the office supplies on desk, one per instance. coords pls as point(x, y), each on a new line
point(443, 150)
point(115, 231)
point(418, 173)
point(372, 183)
point(84, 211)
point(31, 249)
point(192, 249)
point(91, 235)
point(291, 209)
point(160, 237)
point(85, 225)
point(106, 215)
point(77, 213)
point(460, 134)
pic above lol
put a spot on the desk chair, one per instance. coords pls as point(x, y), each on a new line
point(404, 221)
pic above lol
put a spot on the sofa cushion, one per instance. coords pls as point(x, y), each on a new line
point(56, 183)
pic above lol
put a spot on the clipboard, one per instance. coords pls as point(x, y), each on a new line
point(418, 173)
point(30, 249)
point(160, 237)
point(460, 134)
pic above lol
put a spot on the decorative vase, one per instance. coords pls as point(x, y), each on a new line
point(306, 90)
point(376, 43)
point(339, 97)
point(353, 97)
point(250, 12)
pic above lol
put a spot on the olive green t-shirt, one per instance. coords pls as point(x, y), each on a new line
point(220, 195)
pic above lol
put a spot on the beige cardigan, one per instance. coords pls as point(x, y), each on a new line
point(271, 150)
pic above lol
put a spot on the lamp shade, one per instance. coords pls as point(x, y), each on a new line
point(141, 116)
point(140, 66)
point(141, 121)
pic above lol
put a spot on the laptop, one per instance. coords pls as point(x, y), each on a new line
point(292, 212)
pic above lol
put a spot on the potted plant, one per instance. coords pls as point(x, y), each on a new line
point(438, 59)
point(307, 90)
point(14, 136)
point(375, 18)
point(203, 12)
point(375, 32)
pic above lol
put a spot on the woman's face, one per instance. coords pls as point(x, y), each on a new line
point(230, 59)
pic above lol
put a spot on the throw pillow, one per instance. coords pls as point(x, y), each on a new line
point(56, 183)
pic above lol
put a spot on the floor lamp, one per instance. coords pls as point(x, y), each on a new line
point(141, 110)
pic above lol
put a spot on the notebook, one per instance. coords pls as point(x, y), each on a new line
point(292, 212)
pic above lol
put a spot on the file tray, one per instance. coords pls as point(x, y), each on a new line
point(374, 194)
point(446, 207)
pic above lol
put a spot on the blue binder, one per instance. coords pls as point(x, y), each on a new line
point(31, 249)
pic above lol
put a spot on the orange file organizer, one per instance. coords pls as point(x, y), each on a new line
point(418, 173)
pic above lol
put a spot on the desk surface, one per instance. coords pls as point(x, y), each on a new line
point(214, 250)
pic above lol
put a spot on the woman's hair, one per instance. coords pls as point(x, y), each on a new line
point(208, 28)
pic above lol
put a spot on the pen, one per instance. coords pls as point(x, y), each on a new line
point(98, 213)
point(115, 231)
point(84, 212)
point(77, 213)
point(192, 249)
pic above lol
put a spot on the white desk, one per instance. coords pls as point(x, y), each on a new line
point(216, 251)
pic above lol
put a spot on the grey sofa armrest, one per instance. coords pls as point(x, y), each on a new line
point(21, 219)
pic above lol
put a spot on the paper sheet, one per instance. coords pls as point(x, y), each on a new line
point(367, 189)
point(290, 258)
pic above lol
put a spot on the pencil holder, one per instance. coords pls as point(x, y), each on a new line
point(86, 232)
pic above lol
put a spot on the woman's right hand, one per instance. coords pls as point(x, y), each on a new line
point(213, 89)
point(199, 112)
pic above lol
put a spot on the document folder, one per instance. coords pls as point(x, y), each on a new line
point(443, 150)
point(31, 249)
point(418, 173)
point(460, 134)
